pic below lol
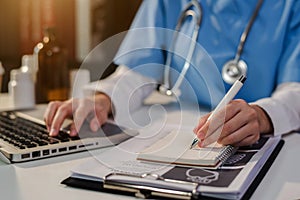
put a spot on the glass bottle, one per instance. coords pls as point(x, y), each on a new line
point(1, 75)
point(52, 81)
point(21, 88)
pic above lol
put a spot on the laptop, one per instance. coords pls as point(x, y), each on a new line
point(25, 138)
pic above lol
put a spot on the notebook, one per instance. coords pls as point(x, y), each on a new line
point(175, 149)
point(24, 138)
point(120, 172)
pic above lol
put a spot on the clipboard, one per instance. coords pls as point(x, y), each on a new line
point(149, 190)
point(112, 185)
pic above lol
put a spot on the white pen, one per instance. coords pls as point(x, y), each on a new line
point(235, 88)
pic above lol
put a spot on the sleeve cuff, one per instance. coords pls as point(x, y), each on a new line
point(277, 114)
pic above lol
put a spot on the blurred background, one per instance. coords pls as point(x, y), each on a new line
point(80, 25)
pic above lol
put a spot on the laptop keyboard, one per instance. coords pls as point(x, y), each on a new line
point(23, 133)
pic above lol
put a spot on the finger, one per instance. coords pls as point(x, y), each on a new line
point(233, 124)
point(73, 130)
point(211, 138)
point(251, 139)
point(50, 113)
point(64, 111)
point(101, 113)
point(81, 113)
point(239, 135)
point(94, 124)
point(211, 125)
point(246, 118)
point(218, 120)
point(100, 117)
point(201, 122)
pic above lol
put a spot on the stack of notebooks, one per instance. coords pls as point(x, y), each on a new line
point(165, 166)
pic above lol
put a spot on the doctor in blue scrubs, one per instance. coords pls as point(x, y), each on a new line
point(270, 58)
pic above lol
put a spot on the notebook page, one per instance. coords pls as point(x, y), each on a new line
point(175, 148)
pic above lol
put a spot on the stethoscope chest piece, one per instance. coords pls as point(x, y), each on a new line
point(233, 70)
point(164, 90)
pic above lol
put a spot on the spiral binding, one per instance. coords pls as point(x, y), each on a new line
point(226, 152)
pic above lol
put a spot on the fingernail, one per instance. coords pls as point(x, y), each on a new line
point(73, 132)
point(52, 132)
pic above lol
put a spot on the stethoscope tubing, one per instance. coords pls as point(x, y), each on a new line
point(198, 18)
point(165, 88)
point(246, 32)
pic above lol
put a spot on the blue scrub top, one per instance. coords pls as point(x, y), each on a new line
point(272, 50)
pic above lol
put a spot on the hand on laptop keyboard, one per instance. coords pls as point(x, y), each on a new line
point(23, 133)
point(25, 138)
point(95, 109)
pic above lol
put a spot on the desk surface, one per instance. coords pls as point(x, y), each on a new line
point(41, 179)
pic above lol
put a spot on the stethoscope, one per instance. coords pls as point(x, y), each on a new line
point(231, 71)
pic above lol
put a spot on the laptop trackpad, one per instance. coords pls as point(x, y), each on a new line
point(108, 129)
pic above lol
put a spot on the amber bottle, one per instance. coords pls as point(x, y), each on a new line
point(52, 82)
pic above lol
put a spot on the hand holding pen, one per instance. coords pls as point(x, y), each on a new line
point(232, 122)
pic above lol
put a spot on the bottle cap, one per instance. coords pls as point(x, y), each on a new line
point(28, 60)
point(19, 74)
